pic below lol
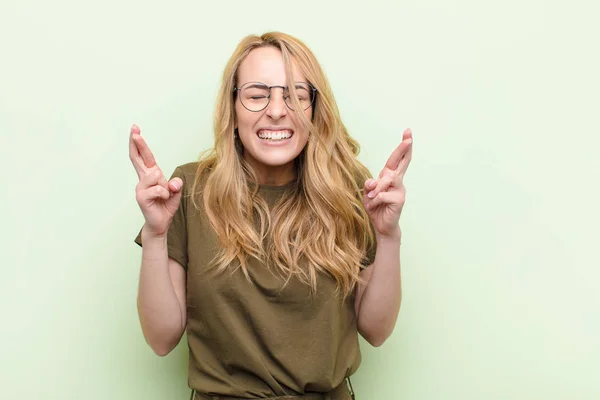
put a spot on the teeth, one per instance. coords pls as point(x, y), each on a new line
point(274, 135)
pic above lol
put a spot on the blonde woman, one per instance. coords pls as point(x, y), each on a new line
point(276, 248)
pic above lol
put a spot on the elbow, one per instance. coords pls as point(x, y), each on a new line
point(376, 337)
point(376, 340)
point(161, 339)
point(161, 348)
point(161, 352)
point(162, 343)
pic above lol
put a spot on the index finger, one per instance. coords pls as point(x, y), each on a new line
point(398, 154)
point(134, 153)
point(144, 150)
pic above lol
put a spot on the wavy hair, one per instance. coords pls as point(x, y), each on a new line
point(320, 225)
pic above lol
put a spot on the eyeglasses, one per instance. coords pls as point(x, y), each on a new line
point(255, 96)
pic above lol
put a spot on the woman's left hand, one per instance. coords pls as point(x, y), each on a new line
point(384, 197)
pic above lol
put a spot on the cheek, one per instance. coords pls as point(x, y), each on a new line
point(239, 117)
point(304, 138)
point(244, 120)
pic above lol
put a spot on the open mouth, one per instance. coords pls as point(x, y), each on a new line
point(275, 136)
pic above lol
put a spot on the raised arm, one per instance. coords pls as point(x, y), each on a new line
point(161, 298)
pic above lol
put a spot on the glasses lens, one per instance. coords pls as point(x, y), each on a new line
point(254, 96)
point(304, 94)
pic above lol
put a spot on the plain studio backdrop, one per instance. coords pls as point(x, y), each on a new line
point(499, 258)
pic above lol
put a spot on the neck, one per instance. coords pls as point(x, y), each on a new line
point(274, 175)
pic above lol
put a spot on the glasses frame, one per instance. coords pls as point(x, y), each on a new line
point(311, 87)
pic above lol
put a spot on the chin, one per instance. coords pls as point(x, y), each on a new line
point(276, 161)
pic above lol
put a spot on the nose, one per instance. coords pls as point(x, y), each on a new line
point(276, 108)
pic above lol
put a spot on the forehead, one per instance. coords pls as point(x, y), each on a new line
point(265, 64)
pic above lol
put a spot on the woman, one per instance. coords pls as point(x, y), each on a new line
point(264, 250)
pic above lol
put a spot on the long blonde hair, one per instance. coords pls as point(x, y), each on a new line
point(321, 226)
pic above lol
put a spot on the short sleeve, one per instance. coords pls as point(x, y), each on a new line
point(177, 235)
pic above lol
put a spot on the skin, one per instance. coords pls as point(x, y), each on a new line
point(161, 297)
point(274, 164)
point(377, 301)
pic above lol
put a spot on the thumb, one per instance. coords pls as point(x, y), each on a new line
point(175, 186)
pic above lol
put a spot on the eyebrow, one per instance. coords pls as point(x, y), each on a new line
point(260, 85)
point(257, 85)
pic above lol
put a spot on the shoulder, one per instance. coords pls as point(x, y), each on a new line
point(186, 171)
point(194, 176)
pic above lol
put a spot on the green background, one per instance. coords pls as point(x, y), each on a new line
point(499, 257)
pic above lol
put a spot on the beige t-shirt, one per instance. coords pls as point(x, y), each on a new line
point(255, 340)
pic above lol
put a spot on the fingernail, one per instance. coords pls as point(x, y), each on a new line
point(175, 185)
point(371, 194)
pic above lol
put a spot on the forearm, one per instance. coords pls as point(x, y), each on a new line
point(158, 307)
point(380, 302)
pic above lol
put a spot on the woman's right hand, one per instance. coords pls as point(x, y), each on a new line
point(157, 198)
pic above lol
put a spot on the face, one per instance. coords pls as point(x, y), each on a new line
point(273, 137)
